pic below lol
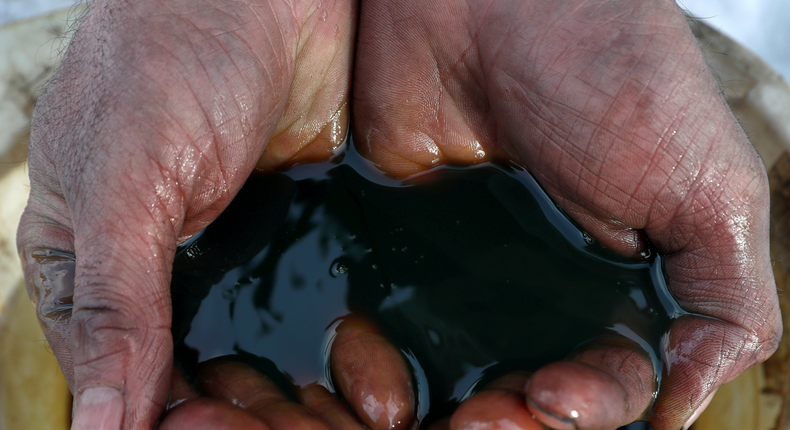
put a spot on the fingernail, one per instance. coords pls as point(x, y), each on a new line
point(550, 419)
point(98, 408)
point(699, 411)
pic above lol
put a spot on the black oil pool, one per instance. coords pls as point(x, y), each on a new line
point(471, 272)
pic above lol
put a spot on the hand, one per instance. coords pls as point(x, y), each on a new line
point(611, 107)
point(154, 120)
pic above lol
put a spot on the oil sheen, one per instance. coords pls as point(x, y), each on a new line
point(471, 272)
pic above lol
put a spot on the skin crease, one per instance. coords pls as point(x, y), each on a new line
point(161, 109)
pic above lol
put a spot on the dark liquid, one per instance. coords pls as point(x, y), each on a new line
point(471, 272)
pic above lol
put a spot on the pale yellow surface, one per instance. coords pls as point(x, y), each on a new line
point(741, 404)
point(33, 393)
point(13, 194)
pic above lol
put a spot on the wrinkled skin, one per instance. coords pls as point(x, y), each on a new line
point(162, 109)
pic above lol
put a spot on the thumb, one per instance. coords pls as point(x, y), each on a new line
point(105, 310)
point(120, 324)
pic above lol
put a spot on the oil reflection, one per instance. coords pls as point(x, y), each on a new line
point(471, 273)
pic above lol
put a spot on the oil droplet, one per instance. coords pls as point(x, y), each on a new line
point(374, 266)
point(338, 269)
point(587, 238)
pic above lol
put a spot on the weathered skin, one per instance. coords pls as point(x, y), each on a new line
point(610, 105)
point(161, 109)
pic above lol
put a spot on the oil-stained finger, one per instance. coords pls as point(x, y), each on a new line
point(245, 387)
point(602, 387)
point(372, 375)
point(500, 406)
point(209, 414)
point(328, 407)
point(180, 390)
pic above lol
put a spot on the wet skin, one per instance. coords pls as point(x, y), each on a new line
point(161, 110)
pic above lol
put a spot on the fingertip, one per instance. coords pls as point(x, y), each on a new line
point(513, 381)
point(98, 408)
point(694, 416)
point(325, 405)
point(570, 395)
point(180, 390)
point(496, 409)
point(237, 383)
point(701, 354)
point(243, 386)
point(209, 414)
point(549, 419)
point(372, 375)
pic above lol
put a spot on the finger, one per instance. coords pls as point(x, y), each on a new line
point(180, 390)
point(315, 119)
point(702, 355)
point(500, 406)
point(513, 381)
point(209, 414)
point(372, 375)
point(245, 387)
point(105, 330)
point(604, 386)
point(418, 101)
point(328, 407)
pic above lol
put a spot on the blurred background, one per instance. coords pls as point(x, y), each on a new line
point(32, 34)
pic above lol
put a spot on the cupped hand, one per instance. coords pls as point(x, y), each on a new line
point(161, 109)
point(154, 120)
point(610, 105)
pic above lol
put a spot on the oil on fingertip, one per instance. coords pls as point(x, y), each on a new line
point(552, 420)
